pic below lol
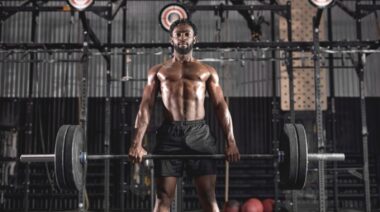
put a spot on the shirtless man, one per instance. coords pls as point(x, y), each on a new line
point(183, 82)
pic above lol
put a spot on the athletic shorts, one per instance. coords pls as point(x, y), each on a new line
point(184, 138)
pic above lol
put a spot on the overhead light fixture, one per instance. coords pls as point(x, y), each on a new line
point(321, 3)
point(80, 4)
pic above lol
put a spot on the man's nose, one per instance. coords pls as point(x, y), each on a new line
point(182, 36)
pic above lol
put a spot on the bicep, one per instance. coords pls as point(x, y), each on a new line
point(214, 89)
point(150, 92)
point(151, 88)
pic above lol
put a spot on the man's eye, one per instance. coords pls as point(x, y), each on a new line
point(178, 34)
point(187, 34)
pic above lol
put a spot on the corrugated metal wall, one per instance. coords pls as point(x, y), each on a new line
point(238, 79)
point(346, 80)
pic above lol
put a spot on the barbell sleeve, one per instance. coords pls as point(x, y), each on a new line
point(37, 158)
point(326, 157)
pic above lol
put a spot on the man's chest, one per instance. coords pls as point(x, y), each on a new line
point(183, 73)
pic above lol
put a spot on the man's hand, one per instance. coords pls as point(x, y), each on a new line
point(232, 153)
point(136, 153)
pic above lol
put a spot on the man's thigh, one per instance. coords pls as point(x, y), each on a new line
point(205, 186)
point(166, 187)
point(200, 167)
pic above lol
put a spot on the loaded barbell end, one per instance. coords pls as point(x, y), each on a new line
point(83, 157)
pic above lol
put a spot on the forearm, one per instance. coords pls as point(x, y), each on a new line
point(225, 120)
point(141, 125)
point(146, 106)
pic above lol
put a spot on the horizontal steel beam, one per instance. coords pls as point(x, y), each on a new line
point(63, 8)
point(223, 7)
point(374, 44)
point(219, 7)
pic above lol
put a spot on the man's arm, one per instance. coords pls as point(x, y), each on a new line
point(223, 114)
point(143, 116)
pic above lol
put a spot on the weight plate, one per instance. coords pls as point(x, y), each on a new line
point(289, 166)
point(302, 160)
point(79, 169)
point(73, 148)
point(69, 145)
point(59, 159)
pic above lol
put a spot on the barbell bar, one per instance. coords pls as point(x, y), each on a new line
point(70, 158)
point(84, 157)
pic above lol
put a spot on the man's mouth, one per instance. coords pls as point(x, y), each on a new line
point(183, 48)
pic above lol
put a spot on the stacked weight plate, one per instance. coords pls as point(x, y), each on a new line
point(68, 147)
point(293, 169)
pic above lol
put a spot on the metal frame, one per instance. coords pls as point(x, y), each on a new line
point(318, 111)
point(107, 118)
point(124, 104)
point(331, 109)
point(83, 110)
point(363, 112)
point(106, 12)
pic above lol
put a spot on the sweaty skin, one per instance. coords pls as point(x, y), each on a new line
point(183, 83)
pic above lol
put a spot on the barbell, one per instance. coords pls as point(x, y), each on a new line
point(70, 157)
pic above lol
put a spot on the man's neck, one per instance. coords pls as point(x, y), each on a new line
point(182, 57)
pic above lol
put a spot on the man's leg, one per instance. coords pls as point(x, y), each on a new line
point(165, 193)
point(206, 192)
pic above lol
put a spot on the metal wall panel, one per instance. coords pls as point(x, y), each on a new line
point(17, 28)
point(371, 31)
point(56, 79)
point(249, 78)
point(346, 80)
point(14, 76)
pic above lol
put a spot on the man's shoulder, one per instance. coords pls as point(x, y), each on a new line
point(207, 67)
point(154, 69)
point(165, 64)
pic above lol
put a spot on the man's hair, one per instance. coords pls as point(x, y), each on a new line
point(183, 21)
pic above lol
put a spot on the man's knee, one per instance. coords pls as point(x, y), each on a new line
point(208, 201)
point(164, 198)
point(163, 203)
point(207, 196)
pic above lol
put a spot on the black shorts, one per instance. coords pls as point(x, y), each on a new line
point(184, 138)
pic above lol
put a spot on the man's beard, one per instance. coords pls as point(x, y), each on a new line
point(184, 50)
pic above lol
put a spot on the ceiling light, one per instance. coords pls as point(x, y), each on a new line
point(321, 3)
point(80, 4)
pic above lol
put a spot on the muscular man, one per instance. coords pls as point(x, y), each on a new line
point(182, 82)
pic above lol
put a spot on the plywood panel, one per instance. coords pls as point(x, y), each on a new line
point(304, 87)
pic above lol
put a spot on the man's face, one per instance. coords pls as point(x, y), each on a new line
point(183, 38)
